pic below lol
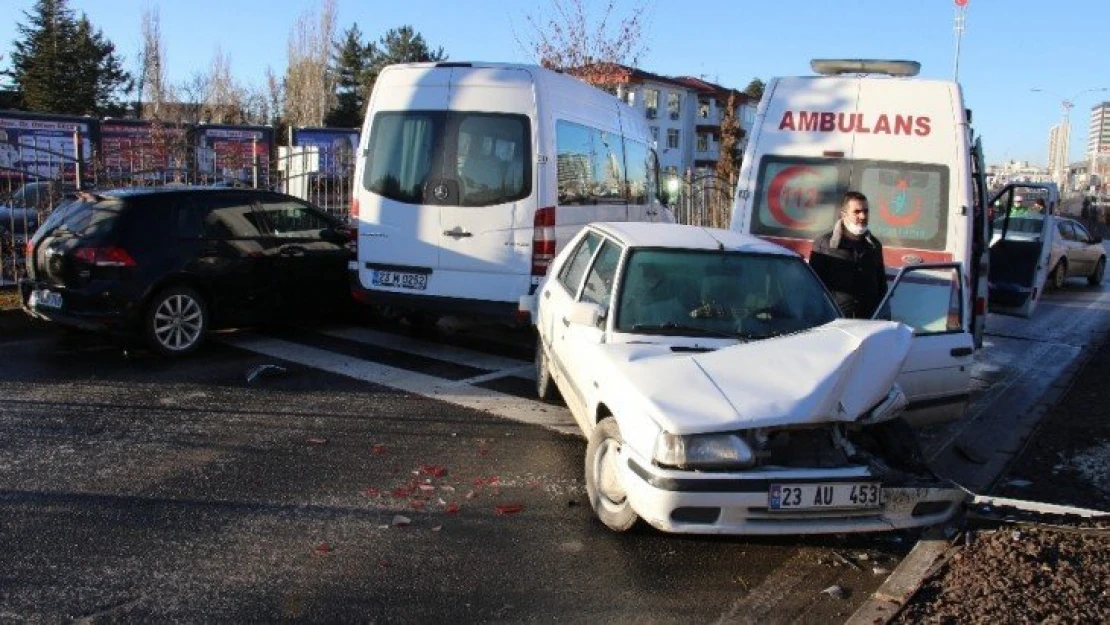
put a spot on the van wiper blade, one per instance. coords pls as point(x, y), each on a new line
point(677, 329)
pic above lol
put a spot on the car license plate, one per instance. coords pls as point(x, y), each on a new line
point(825, 496)
point(402, 279)
point(42, 298)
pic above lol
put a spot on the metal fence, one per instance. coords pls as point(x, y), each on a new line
point(702, 201)
point(51, 171)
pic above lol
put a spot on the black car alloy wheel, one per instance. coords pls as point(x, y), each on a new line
point(176, 321)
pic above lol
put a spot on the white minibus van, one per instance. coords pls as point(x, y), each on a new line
point(907, 144)
point(470, 177)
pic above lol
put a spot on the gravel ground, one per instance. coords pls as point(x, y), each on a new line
point(1012, 568)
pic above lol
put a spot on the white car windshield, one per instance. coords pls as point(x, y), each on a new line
point(719, 293)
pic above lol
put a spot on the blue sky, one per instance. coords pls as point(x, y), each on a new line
point(1008, 48)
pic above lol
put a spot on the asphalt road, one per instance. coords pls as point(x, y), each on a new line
point(379, 478)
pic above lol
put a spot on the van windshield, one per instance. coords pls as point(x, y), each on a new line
point(449, 157)
point(798, 198)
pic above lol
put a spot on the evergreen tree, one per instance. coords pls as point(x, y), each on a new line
point(62, 64)
point(350, 63)
point(400, 45)
point(755, 89)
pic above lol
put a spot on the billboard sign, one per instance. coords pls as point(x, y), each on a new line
point(229, 152)
point(336, 146)
point(128, 148)
point(42, 146)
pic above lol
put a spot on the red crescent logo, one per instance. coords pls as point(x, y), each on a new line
point(774, 196)
point(899, 221)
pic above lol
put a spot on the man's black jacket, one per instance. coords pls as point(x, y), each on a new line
point(851, 268)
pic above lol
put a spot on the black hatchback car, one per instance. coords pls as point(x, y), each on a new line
point(170, 264)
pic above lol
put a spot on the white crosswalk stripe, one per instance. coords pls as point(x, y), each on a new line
point(458, 392)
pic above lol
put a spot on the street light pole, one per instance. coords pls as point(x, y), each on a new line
point(1060, 166)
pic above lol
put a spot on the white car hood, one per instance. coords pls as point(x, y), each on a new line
point(835, 372)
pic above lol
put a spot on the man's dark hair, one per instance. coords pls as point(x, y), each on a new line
point(852, 195)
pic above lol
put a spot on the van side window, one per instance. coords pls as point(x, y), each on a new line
point(571, 274)
point(590, 164)
point(640, 167)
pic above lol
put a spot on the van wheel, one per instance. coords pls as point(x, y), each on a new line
point(604, 481)
point(1095, 278)
point(545, 386)
point(176, 321)
point(1059, 274)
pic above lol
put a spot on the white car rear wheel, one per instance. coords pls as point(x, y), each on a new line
point(604, 478)
point(1059, 274)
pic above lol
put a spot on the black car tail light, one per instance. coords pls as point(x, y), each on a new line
point(104, 256)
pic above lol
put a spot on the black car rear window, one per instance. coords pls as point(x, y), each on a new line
point(86, 216)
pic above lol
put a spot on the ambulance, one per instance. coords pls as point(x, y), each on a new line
point(907, 144)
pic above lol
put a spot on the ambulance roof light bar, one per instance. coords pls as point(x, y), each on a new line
point(836, 67)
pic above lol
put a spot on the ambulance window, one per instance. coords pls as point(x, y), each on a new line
point(798, 198)
point(908, 202)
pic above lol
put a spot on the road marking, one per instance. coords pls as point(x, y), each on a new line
point(529, 411)
point(447, 353)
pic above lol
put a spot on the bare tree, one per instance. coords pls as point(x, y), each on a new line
point(586, 40)
point(224, 100)
point(153, 90)
point(191, 93)
point(309, 86)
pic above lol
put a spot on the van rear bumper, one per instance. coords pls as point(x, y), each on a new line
point(486, 310)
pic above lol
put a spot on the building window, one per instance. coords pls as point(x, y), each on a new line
point(651, 103)
point(703, 142)
point(672, 138)
point(703, 108)
point(673, 105)
point(655, 134)
point(630, 97)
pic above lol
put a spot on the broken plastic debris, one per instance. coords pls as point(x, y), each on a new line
point(471, 494)
point(834, 591)
point(427, 488)
point(401, 521)
point(402, 492)
point(372, 492)
point(266, 370)
point(878, 570)
point(322, 549)
point(377, 450)
point(452, 508)
point(416, 504)
point(437, 528)
point(317, 441)
point(447, 488)
point(506, 509)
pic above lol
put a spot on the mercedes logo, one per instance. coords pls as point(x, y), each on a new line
point(440, 192)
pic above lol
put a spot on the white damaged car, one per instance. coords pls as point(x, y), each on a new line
point(720, 392)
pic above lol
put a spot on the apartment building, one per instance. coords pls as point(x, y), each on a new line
point(684, 113)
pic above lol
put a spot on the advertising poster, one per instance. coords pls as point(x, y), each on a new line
point(229, 152)
point(337, 148)
point(130, 149)
point(42, 146)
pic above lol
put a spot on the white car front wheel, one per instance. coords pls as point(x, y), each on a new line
point(545, 386)
point(604, 477)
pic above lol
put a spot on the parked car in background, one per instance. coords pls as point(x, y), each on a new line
point(169, 264)
point(720, 392)
point(21, 212)
point(1074, 251)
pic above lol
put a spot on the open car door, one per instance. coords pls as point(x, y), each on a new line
point(1018, 256)
point(936, 376)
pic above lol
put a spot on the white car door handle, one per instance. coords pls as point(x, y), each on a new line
point(457, 233)
point(566, 322)
point(546, 294)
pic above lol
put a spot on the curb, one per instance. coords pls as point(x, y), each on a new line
point(903, 583)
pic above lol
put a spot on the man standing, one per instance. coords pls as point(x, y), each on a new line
point(849, 260)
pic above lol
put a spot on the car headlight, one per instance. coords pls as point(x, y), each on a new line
point(703, 451)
